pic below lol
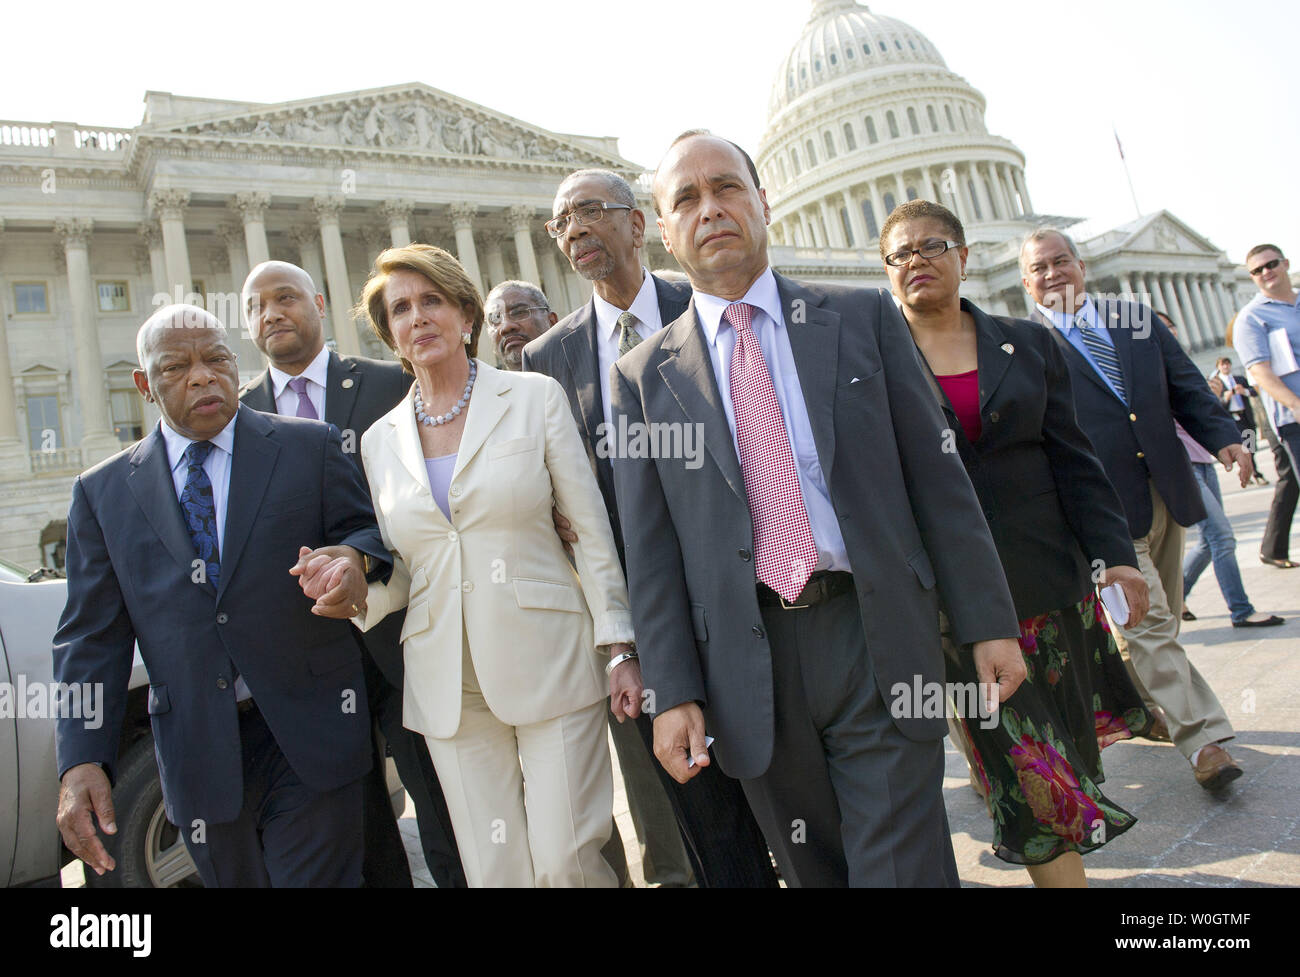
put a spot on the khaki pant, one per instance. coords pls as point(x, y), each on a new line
point(530, 804)
point(1157, 661)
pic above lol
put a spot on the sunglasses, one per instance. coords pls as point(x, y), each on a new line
point(1266, 266)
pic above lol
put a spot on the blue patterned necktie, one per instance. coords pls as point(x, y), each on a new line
point(200, 510)
point(1103, 354)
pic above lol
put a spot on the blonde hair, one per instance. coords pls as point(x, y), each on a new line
point(442, 270)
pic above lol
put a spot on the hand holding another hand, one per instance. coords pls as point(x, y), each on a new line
point(334, 577)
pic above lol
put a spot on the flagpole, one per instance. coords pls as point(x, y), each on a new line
point(1124, 160)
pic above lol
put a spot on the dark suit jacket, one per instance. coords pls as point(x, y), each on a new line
point(1049, 505)
point(129, 579)
point(906, 509)
point(359, 391)
point(1137, 442)
point(568, 352)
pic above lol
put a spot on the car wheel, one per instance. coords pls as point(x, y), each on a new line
point(149, 850)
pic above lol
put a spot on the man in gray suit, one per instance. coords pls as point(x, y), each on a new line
point(783, 585)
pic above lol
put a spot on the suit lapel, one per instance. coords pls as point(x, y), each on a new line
point(404, 439)
point(251, 466)
point(672, 302)
point(1110, 318)
point(154, 490)
point(490, 402)
point(687, 372)
point(342, 387)
point(994, 360)
point(579, 345)
point(260, 394)
point(815, 342)
point(1076, 359)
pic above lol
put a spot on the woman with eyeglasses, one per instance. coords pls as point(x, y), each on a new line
point(1059, 528)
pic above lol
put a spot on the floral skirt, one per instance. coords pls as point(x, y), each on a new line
point(1041, 763)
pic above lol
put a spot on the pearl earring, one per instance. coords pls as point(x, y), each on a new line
point(465, 338)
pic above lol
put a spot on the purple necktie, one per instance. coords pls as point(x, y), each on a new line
point(299, 386)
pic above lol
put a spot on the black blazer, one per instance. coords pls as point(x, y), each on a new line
point(130, 579)
point(1137, 442)
point(1048, 503)
point(358, 392)
point(567, 352)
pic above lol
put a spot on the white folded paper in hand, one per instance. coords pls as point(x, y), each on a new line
point(1116, 604)
point(1281, 353)
point(708, 741)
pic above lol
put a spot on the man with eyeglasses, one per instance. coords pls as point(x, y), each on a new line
point(707, 832)
point(1267, 339)
point(1132, 381)
point(517, 313)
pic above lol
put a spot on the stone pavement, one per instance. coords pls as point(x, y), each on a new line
point(1185, 836)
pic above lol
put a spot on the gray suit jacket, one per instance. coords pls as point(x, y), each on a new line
point(907, 511)
point(568, 353)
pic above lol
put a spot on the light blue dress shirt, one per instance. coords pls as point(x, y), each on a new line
point(1069, 325)
point(770, 328)
point(1261, 316)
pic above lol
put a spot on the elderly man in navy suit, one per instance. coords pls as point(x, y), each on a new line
point(186, 542)
point(1131, 381)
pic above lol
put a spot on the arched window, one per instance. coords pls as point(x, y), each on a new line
point(965, 122)
point(890, 204)
point(834, 59)
point(975, 201)
point(849, 140)
point(869, 214)
point(892, 122)
point(830, 145)
point(794, 161)
point(911, 193)
point(911, 121)
point(871, 131)
point(812, 153)
point(934, 119)
point(947, 110)
point(780, 165)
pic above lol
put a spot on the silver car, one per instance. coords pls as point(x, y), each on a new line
point(148, 849)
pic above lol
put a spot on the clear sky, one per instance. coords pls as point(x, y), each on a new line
point(1197, 89)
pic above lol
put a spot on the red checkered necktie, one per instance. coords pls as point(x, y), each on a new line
point(785, 553)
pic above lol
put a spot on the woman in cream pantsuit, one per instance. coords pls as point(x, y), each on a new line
point(504, 644)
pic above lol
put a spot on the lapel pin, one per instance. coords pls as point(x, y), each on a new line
point(347, 384)
point(1008, 348)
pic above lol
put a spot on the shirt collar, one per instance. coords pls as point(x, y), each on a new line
point(1086, 316)
point(316, 372)
point(645, 307)
point(177, 443)
point(763, 294)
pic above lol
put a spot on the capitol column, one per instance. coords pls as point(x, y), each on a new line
point(1172, 308)
point(152, 235)
point(1188, 322)
point(462, 219)
point(1205, 327)
point(552, 280)
point(1009, 181)
point(14, 458)
point(494, 258)
point(1126, 286)
point(235, 240)
point(327, 210)
point(521, 219)
point(97, 440)
point(1215, 320)
point(1018, 177)
point(877, 203)
point(398, 214)
point(169, 206)
point(834, 230)
point(1224, 302)
point(252, 209)
point(304, 238)
point(1151, 286)
point(900, 188)
point(1000, 192)
point(927, 184)
point(861, 237)
point(982, 193)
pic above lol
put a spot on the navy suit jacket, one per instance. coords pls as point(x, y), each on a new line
point(1137, 442)
point(568, 352)
point(131, 578)
point(358, 392)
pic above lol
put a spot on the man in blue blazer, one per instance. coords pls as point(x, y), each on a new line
point(184, 543)
point(1131, 382)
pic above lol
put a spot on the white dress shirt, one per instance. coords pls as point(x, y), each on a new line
point(217, 466)
point(646, 308)
point(286, 401)
point(770, 328)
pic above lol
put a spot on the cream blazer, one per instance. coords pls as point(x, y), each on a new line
point(496, 569)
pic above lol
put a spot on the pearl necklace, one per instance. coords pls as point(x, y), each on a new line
point(446, 418)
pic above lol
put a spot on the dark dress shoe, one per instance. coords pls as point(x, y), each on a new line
point(1271, 621)
point(1188, 615)
point(1261, 480)
point(1215, 769)
point(1280, 564)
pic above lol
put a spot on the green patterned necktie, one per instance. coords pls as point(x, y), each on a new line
point(628, 339)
